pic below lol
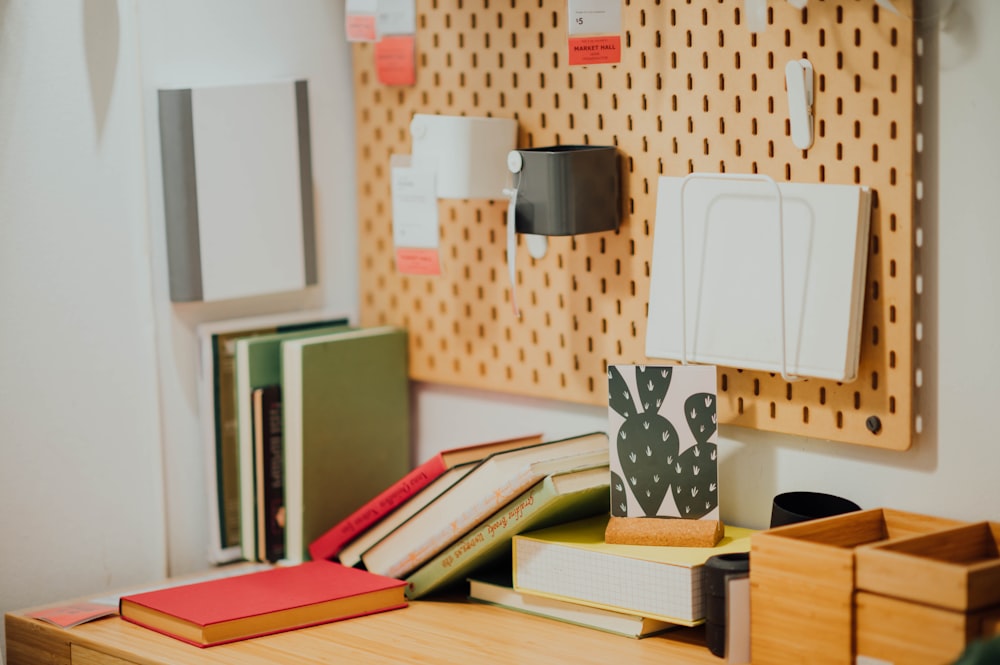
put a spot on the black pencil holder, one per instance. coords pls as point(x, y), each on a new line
point(567, 189)
point(719, 569)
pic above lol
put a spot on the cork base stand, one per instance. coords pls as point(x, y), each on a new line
point(673, 532)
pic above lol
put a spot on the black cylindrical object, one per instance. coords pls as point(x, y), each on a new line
point(794, 507)
point(719, 569)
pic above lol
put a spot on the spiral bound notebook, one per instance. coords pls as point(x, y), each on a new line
point(729, 310)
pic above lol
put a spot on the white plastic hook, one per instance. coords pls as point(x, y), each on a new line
point(799, 81)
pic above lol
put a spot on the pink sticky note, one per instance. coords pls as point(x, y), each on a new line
point(417, 261)
point(360, 27)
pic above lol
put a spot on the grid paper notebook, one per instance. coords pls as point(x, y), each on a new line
point(572, 562)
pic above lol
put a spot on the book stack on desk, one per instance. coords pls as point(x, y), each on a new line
point(307, 421)
point(465, 517)
point(571, 562)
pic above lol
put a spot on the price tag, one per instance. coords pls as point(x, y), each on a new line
point(397, 17)
point(595, 17)
point(415, 226)
point(594, 32)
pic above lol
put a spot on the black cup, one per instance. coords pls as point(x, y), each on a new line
point(793, 507)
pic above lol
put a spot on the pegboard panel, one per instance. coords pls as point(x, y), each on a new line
point(695, 91)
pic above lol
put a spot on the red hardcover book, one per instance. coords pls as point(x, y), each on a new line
point(330, 543)
point(261, 603)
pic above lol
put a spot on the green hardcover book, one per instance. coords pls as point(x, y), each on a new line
point(346, 405)
point(556, 498)
point(257, 364)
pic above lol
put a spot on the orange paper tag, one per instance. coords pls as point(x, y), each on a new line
point(395, 60)
point(595, 50)
point(416, 261)
point(360, 27)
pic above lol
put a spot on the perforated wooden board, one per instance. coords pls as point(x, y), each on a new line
point(695, 91)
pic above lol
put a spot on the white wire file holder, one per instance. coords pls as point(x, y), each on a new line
point(779, 218)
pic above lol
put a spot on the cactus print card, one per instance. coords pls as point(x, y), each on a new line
point(664, 460)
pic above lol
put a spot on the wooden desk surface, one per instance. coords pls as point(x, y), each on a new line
point(440, 631)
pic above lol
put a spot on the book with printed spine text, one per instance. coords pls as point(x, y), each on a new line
point(561, 497)
point(332, 542)
point(270, 475)
point(351, 554)
point(240, 607)
point(495, 481)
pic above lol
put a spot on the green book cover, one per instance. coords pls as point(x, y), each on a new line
point(257, 364)
point(346, 426)
point(554, 499)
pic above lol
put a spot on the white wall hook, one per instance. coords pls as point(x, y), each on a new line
point(799, 81)
point(538, 245)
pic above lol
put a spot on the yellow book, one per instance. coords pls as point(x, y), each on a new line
point(572, 562)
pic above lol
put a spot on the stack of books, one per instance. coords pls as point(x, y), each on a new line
point(304, 417)
point(572, 563)
point(458, 511)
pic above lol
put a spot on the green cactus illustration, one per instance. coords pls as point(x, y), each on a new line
point(646, 442)
point(619, 498)
point(695, 474)
point(648, 447)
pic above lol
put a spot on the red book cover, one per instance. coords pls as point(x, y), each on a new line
point(330, 543)
point(261, 603)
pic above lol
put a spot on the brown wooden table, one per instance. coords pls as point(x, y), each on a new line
point(438, 631)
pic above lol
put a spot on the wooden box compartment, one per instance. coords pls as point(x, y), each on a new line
point(946, 582)
point(901, 632)
point(957, 569)
point(802, 583)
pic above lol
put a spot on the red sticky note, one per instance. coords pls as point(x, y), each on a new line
point(416, 261)
point(595, 50)
point(395, 60)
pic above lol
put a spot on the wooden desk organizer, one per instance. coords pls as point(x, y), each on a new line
point(923, 599)
point(802, 583)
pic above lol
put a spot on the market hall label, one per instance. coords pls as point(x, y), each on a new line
point(595, 32)
point(595, 50)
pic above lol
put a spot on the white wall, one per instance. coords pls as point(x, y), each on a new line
point(98, 400)
point(97, 367)
point(186, 43)
point(81, 491)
